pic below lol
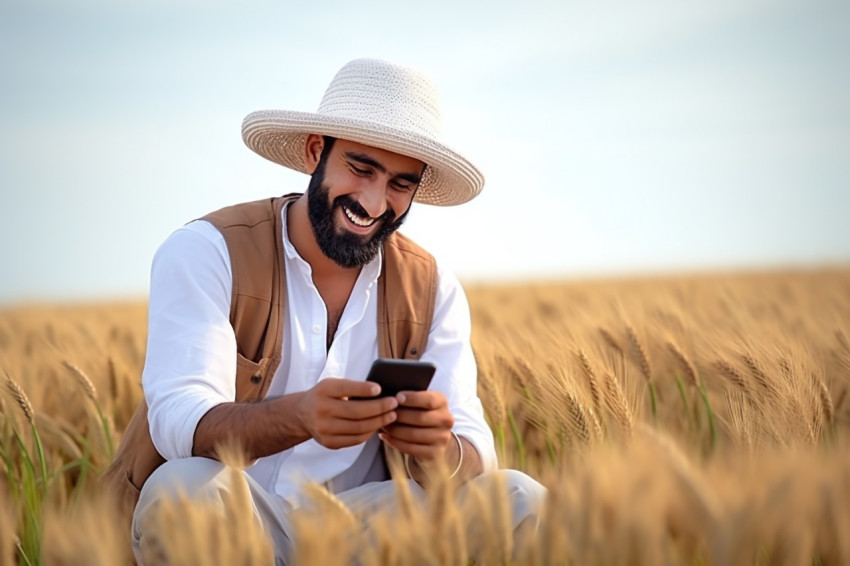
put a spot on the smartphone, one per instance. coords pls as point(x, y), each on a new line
point(399, 375)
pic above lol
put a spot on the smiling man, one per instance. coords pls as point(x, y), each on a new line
point(266, 316)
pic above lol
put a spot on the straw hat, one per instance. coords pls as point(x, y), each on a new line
point(379, 104)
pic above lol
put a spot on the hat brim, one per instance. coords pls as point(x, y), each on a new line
point(280, 135)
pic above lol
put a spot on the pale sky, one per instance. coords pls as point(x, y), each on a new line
point(616, 137)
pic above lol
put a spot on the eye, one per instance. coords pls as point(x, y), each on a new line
point(399, 186)
point(358, 171)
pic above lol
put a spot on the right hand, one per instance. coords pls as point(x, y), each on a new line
point(333, 421)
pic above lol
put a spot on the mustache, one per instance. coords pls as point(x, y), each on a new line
point(355, 207)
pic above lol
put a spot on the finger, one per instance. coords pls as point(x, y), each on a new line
point(344, 440)
point(422, 452)
point(417, 435)
point(429, 400)
point(362, 426)
point(341, 427)
point(440, 418)
point(340, 387)
point(363, 409)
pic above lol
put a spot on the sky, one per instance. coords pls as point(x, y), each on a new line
point(616, 137)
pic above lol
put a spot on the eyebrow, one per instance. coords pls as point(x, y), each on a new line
point(367, 160)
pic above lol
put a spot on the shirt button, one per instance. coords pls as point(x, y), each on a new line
point(317, 329)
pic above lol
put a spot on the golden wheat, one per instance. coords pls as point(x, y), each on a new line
point(81, 378)
point(745, 464)
point(20, 398)
point(687, 366)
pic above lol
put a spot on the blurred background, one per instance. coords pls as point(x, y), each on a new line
point(617, 138)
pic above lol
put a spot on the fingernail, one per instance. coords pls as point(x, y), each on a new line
point(401, 397)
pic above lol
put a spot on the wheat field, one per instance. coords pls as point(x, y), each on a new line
point(695, 420)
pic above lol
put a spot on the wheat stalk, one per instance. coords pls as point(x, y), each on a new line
point(615, 401)
point(56, 435)
point(640, 353)
point(330, 503)
point(597, 425)
point(610, 340)
point(113, 377)
point(515, 375)
point(799, 421)
point(595, 394)
point(20, 398)
point(687, 366)
point(82, 379)
point(825, 398)
point(785, 366)
point(842, 339)
point(731, 373)
point(737, 408)
point(495, 388)
point(577, 421)
point(758, 373)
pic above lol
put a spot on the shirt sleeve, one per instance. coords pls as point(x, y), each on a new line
point(191, 354)
point(450, 349)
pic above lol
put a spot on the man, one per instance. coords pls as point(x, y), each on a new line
point(342, 289)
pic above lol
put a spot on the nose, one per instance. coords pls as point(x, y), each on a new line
point(373, 199)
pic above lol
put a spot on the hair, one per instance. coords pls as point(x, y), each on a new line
point(326, 151)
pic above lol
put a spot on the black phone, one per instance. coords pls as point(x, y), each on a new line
point(399, 375)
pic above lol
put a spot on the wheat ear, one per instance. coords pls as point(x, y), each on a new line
point(595, 394)
point(20, 398)
point(731, 373)
point(610, 340)
point(758, 373)
point(687, 366)
point(82, 379)
point(577, 420)
point(329, 502)
point(615, 401)
point(640, 352)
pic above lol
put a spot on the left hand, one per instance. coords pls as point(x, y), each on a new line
point(423, 426)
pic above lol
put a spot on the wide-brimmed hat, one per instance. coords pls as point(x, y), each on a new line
point(379, 104)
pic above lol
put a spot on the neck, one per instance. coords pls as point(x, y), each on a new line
point(301, 235)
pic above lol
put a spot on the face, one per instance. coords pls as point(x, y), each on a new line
point(358, 196)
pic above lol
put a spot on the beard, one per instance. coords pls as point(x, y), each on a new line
point(345, 248)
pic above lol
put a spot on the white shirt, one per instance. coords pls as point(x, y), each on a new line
point(191, 354)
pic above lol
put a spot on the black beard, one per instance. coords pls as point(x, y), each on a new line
point(346, 249)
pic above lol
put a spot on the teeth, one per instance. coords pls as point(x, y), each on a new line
point(357, 220)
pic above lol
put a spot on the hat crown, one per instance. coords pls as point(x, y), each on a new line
point(384, 93)
point(378, 104)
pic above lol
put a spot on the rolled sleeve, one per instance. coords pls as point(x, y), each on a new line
point(191, 353)
point(449, 348)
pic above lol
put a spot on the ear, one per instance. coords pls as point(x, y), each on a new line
point(313, 151)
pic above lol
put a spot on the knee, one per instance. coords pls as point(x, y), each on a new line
point(199, 480)
point(188, 477)
point(525, 496)
point(193, 478)
point(524, 490)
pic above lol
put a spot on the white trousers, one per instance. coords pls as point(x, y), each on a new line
point(202, 479)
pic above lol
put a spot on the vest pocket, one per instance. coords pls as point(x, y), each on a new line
point(250, 376)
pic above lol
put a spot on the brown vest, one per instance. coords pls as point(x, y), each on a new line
point(407, 289)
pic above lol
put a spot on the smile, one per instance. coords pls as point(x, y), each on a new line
point(358, 220)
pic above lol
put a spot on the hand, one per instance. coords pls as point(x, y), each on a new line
point(325, 412)
point(423, 426)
